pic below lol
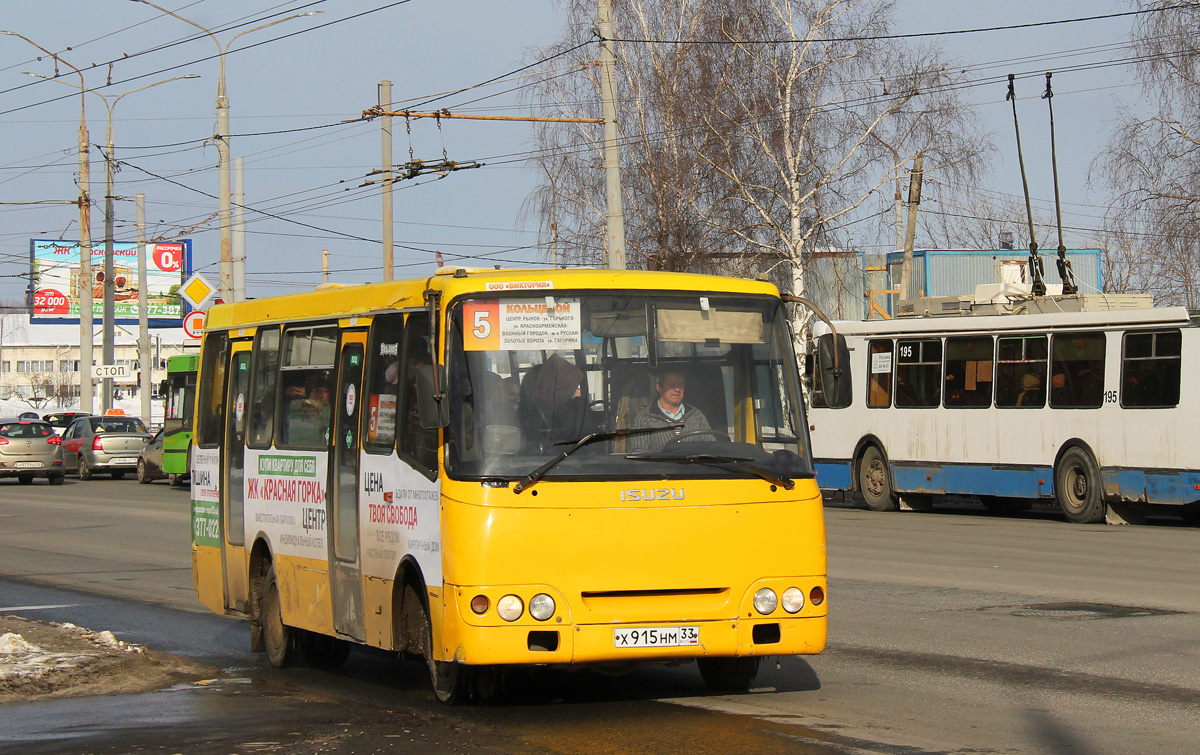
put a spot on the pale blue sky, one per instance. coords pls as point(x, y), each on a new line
point(425, 48)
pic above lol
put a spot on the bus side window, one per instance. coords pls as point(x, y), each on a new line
point(264, 374)
point(416, 442)
point(383, 384)
point(969, 371)
point(879, 387)
point(306, 380)
point(1021, 372)
point(1077, 370)
point(1150, 369)
point(212, 389)
point(919, 373)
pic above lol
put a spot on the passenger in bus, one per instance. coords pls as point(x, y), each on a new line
point(308, 415)
point(551, 403)
point(1031, 391)
point(668, 412)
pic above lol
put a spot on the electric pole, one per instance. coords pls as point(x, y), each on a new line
point(612, 158)
point(385, 103)
point(914, 199)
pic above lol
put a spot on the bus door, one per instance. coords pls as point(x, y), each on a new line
point(345, 573)
point(233, 473)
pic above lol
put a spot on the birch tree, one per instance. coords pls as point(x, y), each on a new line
point(754, 132)
point(1152, 161)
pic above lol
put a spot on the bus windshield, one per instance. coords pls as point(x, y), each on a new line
point(708, 381)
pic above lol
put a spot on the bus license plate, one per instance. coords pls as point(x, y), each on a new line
point(124, 460)
point(655, 637)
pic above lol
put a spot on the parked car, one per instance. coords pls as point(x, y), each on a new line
point(29, 449)
point(150, 463)
point(103, 444)
point(62, 420)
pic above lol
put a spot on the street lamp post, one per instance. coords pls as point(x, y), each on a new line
point(228, 293)
point(85, 238)
point(109, 320)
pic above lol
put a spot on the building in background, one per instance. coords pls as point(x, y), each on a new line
point(41, 362)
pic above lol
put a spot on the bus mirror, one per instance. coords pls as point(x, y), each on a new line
point(432, 410)
point(833, 360)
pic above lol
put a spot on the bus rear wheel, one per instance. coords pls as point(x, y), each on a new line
point(277, 636)
point(728, 674)
point(875, 481)
point(1077, 487)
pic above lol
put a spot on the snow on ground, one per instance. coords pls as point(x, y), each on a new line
point(20, 659)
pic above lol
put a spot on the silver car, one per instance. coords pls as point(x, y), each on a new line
point(103, 444)
point(29, 449)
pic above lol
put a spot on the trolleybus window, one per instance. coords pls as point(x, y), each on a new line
point(1021, 372)
point(969, 371)
point(918, 372)
point(1077, 371)
point(1150, 369)
point(879, 390)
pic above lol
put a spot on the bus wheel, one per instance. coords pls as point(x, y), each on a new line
point(448, 678)
point(277, 636)
point(175, 479)
point(875, 482)
point(728, 674)
point(1077, 487)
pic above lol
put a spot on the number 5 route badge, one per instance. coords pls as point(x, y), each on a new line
point(482, 326)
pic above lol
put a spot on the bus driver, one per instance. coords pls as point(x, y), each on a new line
point(667, 412)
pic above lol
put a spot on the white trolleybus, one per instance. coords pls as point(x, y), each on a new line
point(1014, 399)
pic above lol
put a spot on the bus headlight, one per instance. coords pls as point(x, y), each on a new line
point(793, 599)
point(541, 606)
point(765, 601)
point(479, 604)
point(510, 608)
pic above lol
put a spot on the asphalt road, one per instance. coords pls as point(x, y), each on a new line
point(950, 632)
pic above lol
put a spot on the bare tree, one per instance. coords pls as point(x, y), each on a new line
point(1152, 162)
point(755, 133)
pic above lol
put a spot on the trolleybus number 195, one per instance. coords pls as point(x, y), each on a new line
point(653, 637)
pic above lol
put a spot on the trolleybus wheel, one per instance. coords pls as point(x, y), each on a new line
point(175, 479)
point(875, 481)
point(1077, 487)
point(728, 674)
point(276, 635)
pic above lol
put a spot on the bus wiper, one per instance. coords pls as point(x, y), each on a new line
point(621, 432)
point(774, 479)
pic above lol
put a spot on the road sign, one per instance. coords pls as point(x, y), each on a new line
point(110, 371)
point(196, 290)
point(193, 323)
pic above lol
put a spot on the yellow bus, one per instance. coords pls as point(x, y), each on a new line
point(486, 469)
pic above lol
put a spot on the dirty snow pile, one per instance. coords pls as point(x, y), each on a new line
point(20, 659)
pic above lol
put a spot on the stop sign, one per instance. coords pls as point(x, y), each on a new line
point(193, 323)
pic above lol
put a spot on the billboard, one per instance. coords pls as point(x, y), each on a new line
point(56, 281)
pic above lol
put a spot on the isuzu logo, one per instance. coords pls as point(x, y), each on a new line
point(653, 494)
